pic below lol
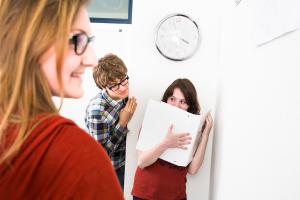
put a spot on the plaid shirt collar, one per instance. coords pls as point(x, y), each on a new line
point(113, 103)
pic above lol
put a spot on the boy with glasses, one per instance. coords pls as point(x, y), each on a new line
point(108, 113)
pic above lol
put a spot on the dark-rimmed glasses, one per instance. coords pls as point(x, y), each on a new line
point(115, 87)
point(80, 41)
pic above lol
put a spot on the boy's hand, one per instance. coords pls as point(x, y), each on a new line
point(127, 112)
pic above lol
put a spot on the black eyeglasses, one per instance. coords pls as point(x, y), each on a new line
point(80, 41)
point(115, 87)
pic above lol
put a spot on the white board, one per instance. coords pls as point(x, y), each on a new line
point(159, 116)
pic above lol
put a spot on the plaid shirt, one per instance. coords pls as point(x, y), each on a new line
point(101, 119)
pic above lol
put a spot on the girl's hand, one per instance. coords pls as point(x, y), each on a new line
point(176, 140)
point(207, 125)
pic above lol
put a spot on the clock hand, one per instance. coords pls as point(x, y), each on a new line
point(183, 40)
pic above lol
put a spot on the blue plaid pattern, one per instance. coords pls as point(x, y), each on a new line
point(101, 119)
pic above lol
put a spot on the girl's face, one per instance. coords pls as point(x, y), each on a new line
point(73, 65)
point(178, 100)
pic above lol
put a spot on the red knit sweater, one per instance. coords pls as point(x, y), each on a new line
point(59, 160)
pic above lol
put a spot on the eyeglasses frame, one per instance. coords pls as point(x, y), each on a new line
point(74, 41)
point(118, 84)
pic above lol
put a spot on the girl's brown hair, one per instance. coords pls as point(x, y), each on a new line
point(189, 93)
point(28, 29)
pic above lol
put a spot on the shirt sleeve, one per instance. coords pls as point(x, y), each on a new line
point(101, 126)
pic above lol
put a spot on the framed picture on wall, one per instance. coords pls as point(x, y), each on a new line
point(110, 11)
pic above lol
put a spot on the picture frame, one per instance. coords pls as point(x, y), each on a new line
point(111, 11)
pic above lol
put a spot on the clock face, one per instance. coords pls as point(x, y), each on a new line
point(177, 37)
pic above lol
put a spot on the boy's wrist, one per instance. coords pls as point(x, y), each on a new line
point(123, 124)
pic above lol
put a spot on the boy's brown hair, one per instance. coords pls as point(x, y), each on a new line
point(109, 68)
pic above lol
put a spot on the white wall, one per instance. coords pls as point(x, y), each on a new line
point(150, 73)
point(256, 141)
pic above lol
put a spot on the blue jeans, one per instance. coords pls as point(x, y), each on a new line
point(120, 174)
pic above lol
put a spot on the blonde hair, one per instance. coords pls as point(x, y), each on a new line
point(28, 29)
point(109, 68)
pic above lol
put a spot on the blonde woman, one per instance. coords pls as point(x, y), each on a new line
point(45, 48)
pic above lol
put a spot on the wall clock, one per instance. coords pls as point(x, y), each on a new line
point(177, 37)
